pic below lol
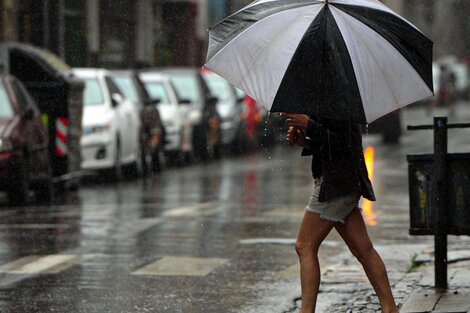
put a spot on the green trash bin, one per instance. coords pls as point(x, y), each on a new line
point(422, 195)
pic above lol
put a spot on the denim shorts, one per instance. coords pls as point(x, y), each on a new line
point(335, 210)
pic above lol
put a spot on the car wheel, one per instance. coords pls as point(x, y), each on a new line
point(44, 191)
point(210, 146)
point(213, 144)
point(200, 143)
point(18, 193)
point(158, 160)
point(146, 158)
point(238, 145)
point(138, 166)
point(117, 162)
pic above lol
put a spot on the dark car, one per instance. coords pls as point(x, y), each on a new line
point(152, 131)
point(230, 108)
point(204, 117)
point(24, 144)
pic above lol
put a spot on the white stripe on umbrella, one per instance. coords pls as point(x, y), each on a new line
point(373, 4)
point(239, 61)
point(385, 79)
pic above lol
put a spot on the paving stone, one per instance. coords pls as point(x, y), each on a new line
point(453, 302)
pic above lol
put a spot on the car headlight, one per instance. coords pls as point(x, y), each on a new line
point(5, 145)
point(195, 117)
point(95, 129)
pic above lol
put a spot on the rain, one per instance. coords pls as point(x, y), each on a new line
point(145, 165)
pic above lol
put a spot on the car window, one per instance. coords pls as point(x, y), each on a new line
point(26, 99)
point(6, 110)
point(112, 87)
point(218, 87)
point(186, 87)
point(156, 91)
point(127, 87)
point(20, 96)
point(93, 95)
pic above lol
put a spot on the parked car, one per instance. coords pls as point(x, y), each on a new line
point(204, 117)
point(174, 114)
point(24, 144)
point(152, 132)
point(59, 97)
point(110, 125)
point(230, 109)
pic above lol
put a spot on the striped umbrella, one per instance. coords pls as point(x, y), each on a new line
point(345, 59)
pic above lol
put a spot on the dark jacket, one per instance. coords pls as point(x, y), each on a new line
point(336, 148)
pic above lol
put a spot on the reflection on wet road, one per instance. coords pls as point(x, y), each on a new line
point(168, 244)
point(366, 205)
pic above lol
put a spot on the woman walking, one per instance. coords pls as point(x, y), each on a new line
point(341, 178)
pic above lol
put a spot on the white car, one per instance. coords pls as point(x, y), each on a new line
point(230, 109)
point(174, 114)
point(110, 124)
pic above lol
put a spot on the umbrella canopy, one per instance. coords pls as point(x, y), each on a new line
point(344, 59)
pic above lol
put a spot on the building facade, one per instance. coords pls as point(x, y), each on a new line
point(113, 33)
point(142, 33)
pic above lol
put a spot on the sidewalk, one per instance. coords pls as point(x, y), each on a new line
point(413, 291)
point(424, 298)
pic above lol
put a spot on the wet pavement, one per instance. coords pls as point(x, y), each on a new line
point(215, 237)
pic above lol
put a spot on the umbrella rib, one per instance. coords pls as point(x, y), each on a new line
point(256, 60)
point(373, 56)
point(240, 21)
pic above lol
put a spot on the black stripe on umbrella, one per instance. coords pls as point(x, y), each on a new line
point(410, 42)
point(320, 79)
point(235, 24)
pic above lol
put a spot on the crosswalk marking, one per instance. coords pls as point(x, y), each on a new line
point(181, 266)
point(166, 266)
point(49, 264)
point(201, 209)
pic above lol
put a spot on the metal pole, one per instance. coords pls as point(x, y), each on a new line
point(440, 190)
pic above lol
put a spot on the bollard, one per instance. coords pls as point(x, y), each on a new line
point(440, 192)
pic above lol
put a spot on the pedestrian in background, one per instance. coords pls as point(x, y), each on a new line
point(341, 178)
point(447, 91)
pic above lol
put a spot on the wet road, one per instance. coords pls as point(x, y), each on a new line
point(202, 238)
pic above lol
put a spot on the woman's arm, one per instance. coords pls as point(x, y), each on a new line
point(338, 132)
point(310, 127)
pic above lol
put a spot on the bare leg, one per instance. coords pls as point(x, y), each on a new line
point(354, 233)
point(313, 231)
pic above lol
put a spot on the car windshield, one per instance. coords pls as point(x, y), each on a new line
point(218, 87)
point(156, 91)
point(127, 87)
point(92, 94)
point(186, 87)
point(6, 111)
